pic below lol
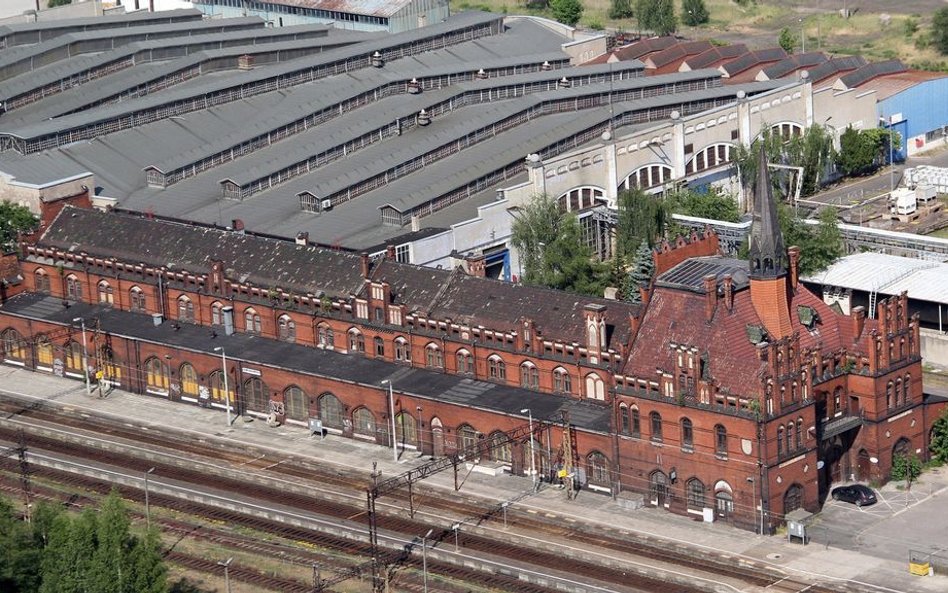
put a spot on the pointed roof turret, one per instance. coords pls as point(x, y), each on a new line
point(768, 257)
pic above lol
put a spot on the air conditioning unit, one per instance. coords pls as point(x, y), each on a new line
point(325, 204)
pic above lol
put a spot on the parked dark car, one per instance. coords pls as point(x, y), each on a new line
point(857, 494)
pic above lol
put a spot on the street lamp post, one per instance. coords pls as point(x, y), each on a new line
point(85, 354)
point(533, 466)
point(147, 508)
point(226, 565)
point(802, 37)
point(504, 506)
point(391, 414)
point(424, 559)
point(226, 387)
point(456, 527)
point(753, 483)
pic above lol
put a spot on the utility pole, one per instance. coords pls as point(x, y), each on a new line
point(85, 354)
point(25, 473)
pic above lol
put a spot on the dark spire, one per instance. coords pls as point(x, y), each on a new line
point(768, 258)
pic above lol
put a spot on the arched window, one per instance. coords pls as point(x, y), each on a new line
point(185, 309)
point(111, 370)
point(218, 395)
point(597, 469)
point(906, 396)
point(799, 433)
point(695, 492)
point(156, 376)
point(789, 435)
point(363, 422)
point(325, 337)
point(330, 410)
point(405, 431)
point(636, 421)
point(465, 362)
point(500, 447)
point(529, 376)
point(902, 448)
point(44, 353)
point(136, 300)
point(624, 425)
point(252, 322)
point(793, 498)
point(402, 350)
point(780, 431)
point(256, 395)
point(14, 346)
point(189, 381)
point(658, 487)
point(433, 357)
point(297, 404)
point(106, 296)
point(286, 328)
point(73, 288)
point(889, 395)
point(897, 394)
point(379, 346)
point(74, 357)
point(356, 341)
point(41, 281)
point(467, 440)
point(217, 313)
point(687, 435)
point(655, 420)
point(496, 369)
point(720, 441)
point(562, 383)
point(595, 388)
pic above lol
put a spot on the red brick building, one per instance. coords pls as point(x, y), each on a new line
point(732, 388)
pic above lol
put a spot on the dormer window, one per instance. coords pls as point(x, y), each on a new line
point(808, 316)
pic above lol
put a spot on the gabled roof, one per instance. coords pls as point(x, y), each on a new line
point(835, 66)
point(678, 51)
point(713, 57)
point(752, 59)
point(868, 72)
point(305, 269)
point(791, 65)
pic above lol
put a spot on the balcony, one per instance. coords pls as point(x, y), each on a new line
point(840, 424)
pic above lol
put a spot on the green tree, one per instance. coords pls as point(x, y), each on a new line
point(713, 204)
point(147, 572)
point(820, 244)
point(110, 571)
point(694, 12)
point(787, 40)
point(14, 219)
point(814, 152)
point(642, 217)
point(939, 444)
point(939, 34)
point(67, 566)
point(857, 152)
point(551, 249)
point(665, 22)
point(643, 267)
point(906, 467)
point(620, 9)
point(567, 12)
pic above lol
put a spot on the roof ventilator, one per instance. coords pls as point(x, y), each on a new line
point(423, 118)
point(414, 87)
point(546, 66)
point(481, 75)
point(564, 83)
point(377, 61)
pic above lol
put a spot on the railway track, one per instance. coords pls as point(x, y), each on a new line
point(303, 469)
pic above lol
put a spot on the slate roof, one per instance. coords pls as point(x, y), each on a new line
point(637, 50)
point(356, 369)
point(752, 59)
point(308, 269)
point(677, 52)
point(791, 64)
point(676, 316)
point(834, 66)
point(714, 56)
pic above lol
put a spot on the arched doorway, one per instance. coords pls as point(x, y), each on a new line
point(793, 498)
point(723, 500)
point(437, 437)
point(902, 448)
point(863, 466)
point(658, 488)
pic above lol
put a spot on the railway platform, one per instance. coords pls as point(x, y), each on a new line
point(866, 560)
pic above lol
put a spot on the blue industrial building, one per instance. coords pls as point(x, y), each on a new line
point(914, 104)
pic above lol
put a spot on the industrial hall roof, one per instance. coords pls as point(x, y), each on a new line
point(305, 360)
point(924, 280)
point(204, 134)
point(302, 269)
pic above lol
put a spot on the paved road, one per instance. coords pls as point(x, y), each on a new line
point(851, 192)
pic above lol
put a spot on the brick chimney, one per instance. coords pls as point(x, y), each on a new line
point(365, 265)
point(728, 283)
point(477, 266)
point(858, 315)
point(237, 225)
point(245, 62)
point(390, 252)
point(711, 295)
point(302, 238)
point(793, 253)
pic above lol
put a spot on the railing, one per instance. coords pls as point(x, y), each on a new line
point(832, 427)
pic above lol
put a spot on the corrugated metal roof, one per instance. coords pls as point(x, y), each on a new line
point(892, 84)
point(888, 274)
point(136, 18)
point(380, 8)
